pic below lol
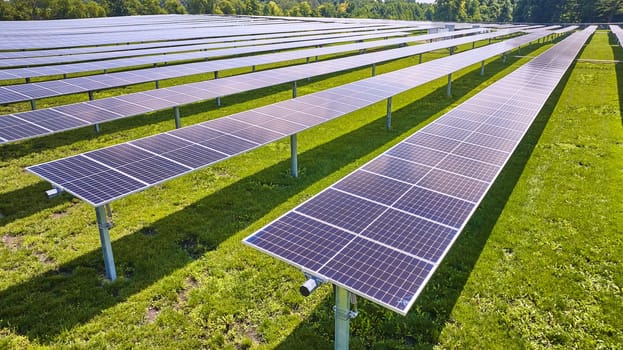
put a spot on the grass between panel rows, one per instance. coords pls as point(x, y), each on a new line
point(518, 276)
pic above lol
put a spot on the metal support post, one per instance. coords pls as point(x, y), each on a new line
point(482, 68)
point(504, 57)
point(157, 84)
point(519, 50)
point(373, 69)
point(64, 75)
point(218, 101)
point(294, 89)
point(449, 88)
point(388, 118)
point(90, 95)
point(420, 62)
point(33, 105)
point(215, 74)
point(103, 226)
point(294, 166)
point(27, 80)
point(342, 318)
point(253, 68)
point(105, 71)
point(307, 60)
point(97, 128)
point(316, 58)
point(178, 122)
point(473, 44)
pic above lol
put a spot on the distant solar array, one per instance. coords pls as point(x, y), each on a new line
point(26, 73)
point(42, 41)
point(173, 43)
point(46, 121)
point(383, 230)
point(101, 176)
point(32, 91)
point(333, 38)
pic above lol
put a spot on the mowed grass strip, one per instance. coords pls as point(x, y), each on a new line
point(186, 281)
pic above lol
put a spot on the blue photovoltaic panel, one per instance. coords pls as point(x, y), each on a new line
point(247, 130)
point(400, 233)
point(333, 101)
point(303, 241)
point(335, 208)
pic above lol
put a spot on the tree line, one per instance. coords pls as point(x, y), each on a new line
point(532, 11)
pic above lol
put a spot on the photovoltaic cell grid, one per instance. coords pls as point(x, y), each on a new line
point(22, 73)
point(132, 47)
point(25, 92)
point(41, 41)
point(234, 49)
point(31, 124)
point(226, 137)
point(381, 231)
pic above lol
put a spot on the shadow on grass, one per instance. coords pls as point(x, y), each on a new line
point(379, 328)
point(617, 51)
point(46, 305)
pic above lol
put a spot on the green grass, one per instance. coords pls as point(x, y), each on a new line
point(539, 265)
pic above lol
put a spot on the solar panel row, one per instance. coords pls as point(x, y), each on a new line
point(22, 73)
point(102, 176)
point(46, 121)
point(228, 39)
point(50, 60)
point(14, 42)
point(618, 32)
point(25, 92)
point(381, 231)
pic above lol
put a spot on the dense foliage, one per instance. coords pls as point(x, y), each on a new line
point(535, 11)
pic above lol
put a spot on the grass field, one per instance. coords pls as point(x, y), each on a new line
point(540, 265)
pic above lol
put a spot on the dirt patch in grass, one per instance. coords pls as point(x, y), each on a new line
point(12, 242)
point(151, 314)
point(43, 258)
point(182, 295)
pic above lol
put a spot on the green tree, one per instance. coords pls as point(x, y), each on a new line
point(273, 9)
point(305, 9)
point(253, 7)
point(151, 7)
point(174, 6)
point(609, 8)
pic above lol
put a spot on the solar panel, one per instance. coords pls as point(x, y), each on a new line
point(248, 130)
point(164, 44)
point(16, 40)
point(97, 111)
point(618, 32)
point(16, 73)
point(384, 229)
point(168, 50)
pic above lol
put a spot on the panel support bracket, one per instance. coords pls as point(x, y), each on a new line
point(103, 225)
point(373, 69)
point(482, 68)
point(388, 118)
point(343, 315)
point(176, 112)
point(449, 87)
point(294, 166)
point(33, 105)
point(294, 89)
